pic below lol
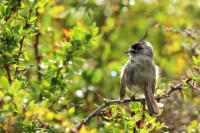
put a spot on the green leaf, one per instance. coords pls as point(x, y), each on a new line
point(16, 85)
point(4, 83)
point(196, 60)
point(22, 5)
point(95, 31)
point(71, 111)
point(143, 131)
point(135, 106)
point(97, 76)
point(16, 28)
point(192, 128)
point(31, 105)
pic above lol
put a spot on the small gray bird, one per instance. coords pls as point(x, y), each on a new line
point(140, 72)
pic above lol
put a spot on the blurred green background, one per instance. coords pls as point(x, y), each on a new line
point(72, 55)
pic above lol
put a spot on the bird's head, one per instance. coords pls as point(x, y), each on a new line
point(141, 48)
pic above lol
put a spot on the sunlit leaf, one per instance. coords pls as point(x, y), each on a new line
point(4, 82)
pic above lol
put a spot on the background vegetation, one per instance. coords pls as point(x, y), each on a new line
point(61, 59)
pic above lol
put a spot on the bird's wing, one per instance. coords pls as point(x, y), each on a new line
point(153, 85)
point(123, 85)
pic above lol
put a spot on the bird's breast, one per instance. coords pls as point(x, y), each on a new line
point(140, 71)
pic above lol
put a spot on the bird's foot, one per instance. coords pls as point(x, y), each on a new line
point(132, 97)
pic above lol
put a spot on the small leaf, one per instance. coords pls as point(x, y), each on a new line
point(95, 31)
point(196, 60)
point(97, 76)
point(16, 85)
point(83, 129)
point(192, 127)
point(16, 28)
point(4, 82)
point(50, 116)
point(31, 105)
point(135, 106)
point(22, 5)
point(71, 111)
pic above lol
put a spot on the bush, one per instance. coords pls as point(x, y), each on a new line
point(60, 63)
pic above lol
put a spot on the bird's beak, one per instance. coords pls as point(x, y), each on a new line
point(128, 52)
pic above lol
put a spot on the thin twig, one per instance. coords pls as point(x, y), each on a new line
point(187, 32)
point(7, 69)
point(165, 94)
point(37, 56)
point(21, 45)
point(19, 54)
point(36, 48)
point(64, 65)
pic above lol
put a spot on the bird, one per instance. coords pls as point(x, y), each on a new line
point(140, 73)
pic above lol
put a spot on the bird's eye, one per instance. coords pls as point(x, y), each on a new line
point(132, 47)
point(139, 48)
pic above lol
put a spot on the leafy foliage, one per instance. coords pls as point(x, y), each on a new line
point(60, 59)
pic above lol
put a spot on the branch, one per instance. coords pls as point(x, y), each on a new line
point(107, 103)
point(187, 32)
point(7, 69)
point(36, 48)
point(37, 56)
point(19, 54)
point(68, 57)
point(21, 45)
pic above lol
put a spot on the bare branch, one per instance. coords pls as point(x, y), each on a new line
point(193, 34)
point(36, 49)
point(7, 69)
point(37, 56)
point(107, 103)
point(19, 54)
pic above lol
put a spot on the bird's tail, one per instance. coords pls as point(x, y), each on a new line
point(150, 100)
